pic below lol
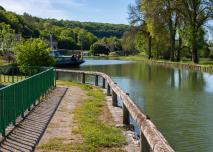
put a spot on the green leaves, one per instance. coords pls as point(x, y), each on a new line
point(7, 38)
point(33, 52)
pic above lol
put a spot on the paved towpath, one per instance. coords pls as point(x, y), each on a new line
point(28, 132)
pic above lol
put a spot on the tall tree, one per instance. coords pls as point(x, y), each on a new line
point(137, 18)
point(195, 13)
point(129, 40)
point(161, 13)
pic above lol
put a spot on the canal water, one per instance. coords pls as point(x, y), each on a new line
point(179, 102)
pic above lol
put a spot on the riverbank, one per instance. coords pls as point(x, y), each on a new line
point(204, 66)
point(83, 122)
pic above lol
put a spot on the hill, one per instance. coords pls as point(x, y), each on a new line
point(30, 26)
point(98, 29)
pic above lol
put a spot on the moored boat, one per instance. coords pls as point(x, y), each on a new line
point(66, 61)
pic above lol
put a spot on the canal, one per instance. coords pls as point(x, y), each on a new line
point(179, 102)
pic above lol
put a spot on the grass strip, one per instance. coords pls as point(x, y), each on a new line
point(97, 136)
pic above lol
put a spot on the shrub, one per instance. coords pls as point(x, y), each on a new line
point(99, 48)
point(33, 52)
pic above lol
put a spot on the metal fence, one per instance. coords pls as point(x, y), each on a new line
point(24, 89)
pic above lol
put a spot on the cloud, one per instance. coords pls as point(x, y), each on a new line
point(44, 8)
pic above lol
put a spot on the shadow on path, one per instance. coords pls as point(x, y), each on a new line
point(27, 134)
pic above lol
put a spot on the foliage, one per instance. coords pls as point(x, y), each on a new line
point(112, 43)
point(129, 40)
point(136, 17)
point(66, 43)
point(141, 42)
point(100, 30)
point(7, 38)
point(85, 39)
point(69, 34)
point(69, 38)
point(99, 48)
point(18, 24)
point(33, 52)
point(167, 27)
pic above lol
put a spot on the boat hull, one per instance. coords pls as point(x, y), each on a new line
point(69, 64)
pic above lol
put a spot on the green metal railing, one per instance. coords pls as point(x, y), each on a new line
point(11, 74)
point(22, 92)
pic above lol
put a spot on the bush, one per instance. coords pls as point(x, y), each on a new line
point(33, 52)
point(204, 52)
point(99, 48)
point(67, 43)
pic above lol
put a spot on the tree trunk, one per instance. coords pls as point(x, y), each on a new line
point(195, 58)
point(150, 47)
point(172, 31)
point(172, 40)
point(179, 49)
point(172, 43)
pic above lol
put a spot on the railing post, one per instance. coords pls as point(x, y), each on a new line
point(144, 145)
point(96, 80)
point(29, 109)
point(114, 99)
point(126, 120)
point(83, 78)
point(22, 115)
point(12, 74)
point(104, 83)
point(57, 77)
point(34, 104)
point(108, 90)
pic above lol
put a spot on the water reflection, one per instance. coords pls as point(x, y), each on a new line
point(178, 101)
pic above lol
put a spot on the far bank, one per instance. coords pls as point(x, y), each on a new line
point(205, 65)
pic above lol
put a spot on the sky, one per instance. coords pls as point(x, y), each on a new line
point(107, 11)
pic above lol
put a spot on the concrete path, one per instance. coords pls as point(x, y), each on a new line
point(62, 125)
point(26, 135)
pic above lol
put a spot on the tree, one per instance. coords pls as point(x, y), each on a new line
point(85, 39)
point(161, 15)
point(129, 40)
point(195, 13)
point(66, 43)
point(7, 38)
point(99, 48)
point(137, 18)
point(33, 52)
point(112, 43)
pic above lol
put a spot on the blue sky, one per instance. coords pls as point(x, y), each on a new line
point(107, 11)
point(110, 11)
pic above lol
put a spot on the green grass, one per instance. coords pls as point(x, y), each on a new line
point(97, 136)
point(203, 61)
point(56, 144)
point(95, 133)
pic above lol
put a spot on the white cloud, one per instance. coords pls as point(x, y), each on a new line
point(43, 8)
